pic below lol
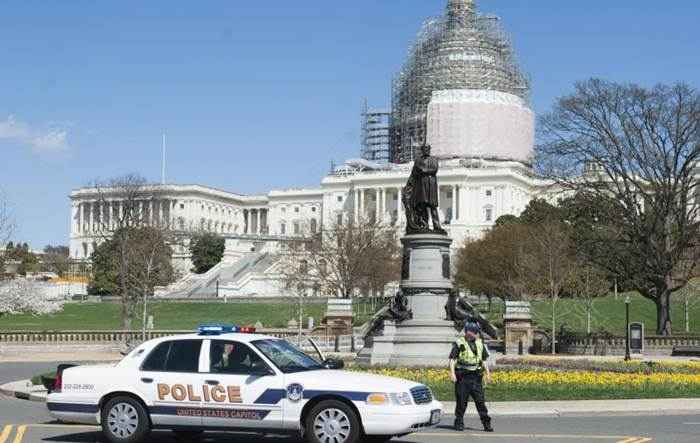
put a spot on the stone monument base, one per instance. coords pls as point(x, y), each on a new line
point(413, 343)
point(426, 339)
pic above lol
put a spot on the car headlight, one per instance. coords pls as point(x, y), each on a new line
point(401, 399)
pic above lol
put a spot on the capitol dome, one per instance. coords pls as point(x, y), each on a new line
point(461, 91)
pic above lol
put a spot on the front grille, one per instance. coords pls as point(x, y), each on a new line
point(421, 395)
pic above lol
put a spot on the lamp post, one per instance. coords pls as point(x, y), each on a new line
point(627, 331)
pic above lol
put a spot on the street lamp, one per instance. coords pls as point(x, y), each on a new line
point(627, 330)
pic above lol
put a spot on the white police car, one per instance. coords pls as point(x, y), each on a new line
point(229, 378)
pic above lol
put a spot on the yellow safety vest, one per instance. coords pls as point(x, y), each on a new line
point(467, 358)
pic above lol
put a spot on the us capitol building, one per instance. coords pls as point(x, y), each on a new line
point(460, 90)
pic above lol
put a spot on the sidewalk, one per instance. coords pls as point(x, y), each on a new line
point(21, 389)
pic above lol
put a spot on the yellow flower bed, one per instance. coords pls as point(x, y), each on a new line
point(540, 378)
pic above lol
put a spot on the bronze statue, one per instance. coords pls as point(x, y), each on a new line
point(420, 197)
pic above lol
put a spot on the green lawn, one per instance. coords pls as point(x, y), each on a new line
point(167, 316)
point(608, 314)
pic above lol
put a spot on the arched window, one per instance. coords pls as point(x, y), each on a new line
point(313, 225)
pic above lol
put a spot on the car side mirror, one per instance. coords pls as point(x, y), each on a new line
point(333, 363)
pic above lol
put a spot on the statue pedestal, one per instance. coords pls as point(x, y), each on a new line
point(426, 339)
point(518, 326)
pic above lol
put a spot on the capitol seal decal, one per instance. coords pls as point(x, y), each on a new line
point(295, 392)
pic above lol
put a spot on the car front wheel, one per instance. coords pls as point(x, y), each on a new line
point(332, 421)
point(125, 420)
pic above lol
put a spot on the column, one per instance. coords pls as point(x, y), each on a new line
point(378, 205)
point(356, 204)
point(258, 228)
point(245, 221)
point(459, 202)
point(399, 206)
point(363, 211)
point(454, 204)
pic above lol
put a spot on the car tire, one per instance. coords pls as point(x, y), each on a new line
point(125, 420)
point(332, 418)
point(376, 438)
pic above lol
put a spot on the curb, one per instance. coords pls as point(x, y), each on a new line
point(19, 390)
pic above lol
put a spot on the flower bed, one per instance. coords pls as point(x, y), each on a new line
point(521, 382)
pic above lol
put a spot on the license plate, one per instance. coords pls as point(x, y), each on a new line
point(435, 416)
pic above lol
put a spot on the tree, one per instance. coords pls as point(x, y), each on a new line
point(124, 208)
point(207, 250)
point(635, 150)
point(149, 265)
point(343, 259)
point(56, 259)
point(23, 296)
point(549, 264)
point(587, 283)
point(494, 264)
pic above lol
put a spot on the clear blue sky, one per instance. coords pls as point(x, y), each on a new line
point(257, 95)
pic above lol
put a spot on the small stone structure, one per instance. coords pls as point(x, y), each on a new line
point(518, 327)
point(339, 316)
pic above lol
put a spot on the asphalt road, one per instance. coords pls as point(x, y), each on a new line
point(28, 422)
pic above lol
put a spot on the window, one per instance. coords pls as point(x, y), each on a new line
point(313, 209)
point(297, 230)
point(174, 356)
point(340, 199)
point(283, 228)
point(182, 206)
point(488, 214)
point(286, 357)
point(296, 209)
point(229, 357)
point(284, 209)
point(313, 225)
point(340, 219)
point(489, 193)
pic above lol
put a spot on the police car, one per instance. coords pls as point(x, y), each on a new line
point(227, 378)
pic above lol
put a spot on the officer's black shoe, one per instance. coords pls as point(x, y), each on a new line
point(487, 427)
point(459, 426)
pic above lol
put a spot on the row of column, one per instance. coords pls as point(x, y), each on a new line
point(256, 221)
point(93, 216)
point(360, 206)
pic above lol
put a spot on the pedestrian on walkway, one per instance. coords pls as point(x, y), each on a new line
point(468, 373)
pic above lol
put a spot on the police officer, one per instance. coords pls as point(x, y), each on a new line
point(467, 370)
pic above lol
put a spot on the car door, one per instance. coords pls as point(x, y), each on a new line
point(244, 391)
point(170, 375)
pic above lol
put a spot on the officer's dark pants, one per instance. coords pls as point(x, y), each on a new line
point(470, 384)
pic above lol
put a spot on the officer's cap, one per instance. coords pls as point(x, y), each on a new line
point(472, 326)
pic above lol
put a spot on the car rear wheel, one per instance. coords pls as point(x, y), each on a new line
point(125, 420)
point(332, 421)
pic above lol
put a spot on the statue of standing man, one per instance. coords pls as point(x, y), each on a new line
point(420, 198)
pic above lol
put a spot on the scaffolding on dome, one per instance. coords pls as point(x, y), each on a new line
point(460, 50)
point(375, 134)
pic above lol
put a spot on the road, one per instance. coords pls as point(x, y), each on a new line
point(27, 422)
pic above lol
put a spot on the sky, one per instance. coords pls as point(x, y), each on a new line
point(262, 95)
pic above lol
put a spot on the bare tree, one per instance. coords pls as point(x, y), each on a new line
point(125, 205)
point(343, 259)
point(635, 151)
point(587, 283)
point(7, 222)
point(549, 265)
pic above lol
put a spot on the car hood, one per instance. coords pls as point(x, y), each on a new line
point(350, 381)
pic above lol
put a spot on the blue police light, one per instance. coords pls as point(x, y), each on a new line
point(216, 329)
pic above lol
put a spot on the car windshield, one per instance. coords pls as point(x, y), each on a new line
point(286, 357)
